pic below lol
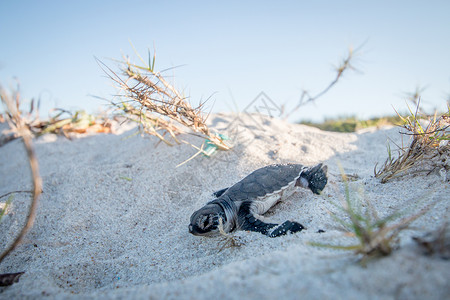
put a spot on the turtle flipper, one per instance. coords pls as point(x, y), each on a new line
point(287, 226)
point(271, 230)
point(219, 193)
point(248, 221)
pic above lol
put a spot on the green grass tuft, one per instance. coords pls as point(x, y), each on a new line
point(352, 124)
point(374, 236)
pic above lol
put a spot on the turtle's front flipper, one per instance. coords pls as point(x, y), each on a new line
point(219, 192)
point(249, 221)
point(271, 230)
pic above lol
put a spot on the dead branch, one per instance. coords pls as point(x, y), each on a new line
point(345, 65)
point(22, 130)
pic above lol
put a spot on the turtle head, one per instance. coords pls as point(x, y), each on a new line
point(316, 178)
point(205, 221)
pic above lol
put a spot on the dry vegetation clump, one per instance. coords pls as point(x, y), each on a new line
point(428, 151)
point(376, 236)
point(62, 122)
point(159, 108)
point(78, 122)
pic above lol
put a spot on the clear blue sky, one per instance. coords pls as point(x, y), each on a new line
point(233, 49)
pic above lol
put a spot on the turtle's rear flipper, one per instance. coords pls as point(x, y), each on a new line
point(219, 192)
point(271, 230)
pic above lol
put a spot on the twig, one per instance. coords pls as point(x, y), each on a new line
point(25, 133)
point(15, 192)
point(343, 67)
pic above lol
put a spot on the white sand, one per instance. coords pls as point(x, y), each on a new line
point(99, 235)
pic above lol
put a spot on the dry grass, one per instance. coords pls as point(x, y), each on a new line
point(158, 106)
point(78, 122)
point(376, 236)
point(62, 122)
point(150, 123)
point(428, 151)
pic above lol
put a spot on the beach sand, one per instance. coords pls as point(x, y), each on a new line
point(113, 218)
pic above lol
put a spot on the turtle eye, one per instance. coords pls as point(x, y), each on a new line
point(216, 220)
point(206, 223)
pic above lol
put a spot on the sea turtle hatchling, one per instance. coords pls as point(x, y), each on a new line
point(242, 205)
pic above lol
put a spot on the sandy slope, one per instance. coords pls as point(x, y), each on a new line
point(100, 235)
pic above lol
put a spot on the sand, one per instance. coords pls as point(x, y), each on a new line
point(113, 219)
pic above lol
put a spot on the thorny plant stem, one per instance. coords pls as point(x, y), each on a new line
point(345, 65)
point(153, 98)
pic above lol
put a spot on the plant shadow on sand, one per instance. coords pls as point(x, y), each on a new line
point(114, 215)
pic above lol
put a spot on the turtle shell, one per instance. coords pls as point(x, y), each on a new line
point(266, 182)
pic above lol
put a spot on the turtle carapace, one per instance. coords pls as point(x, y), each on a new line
point(242, 205)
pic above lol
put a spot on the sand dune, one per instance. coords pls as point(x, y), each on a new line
point(113, 219)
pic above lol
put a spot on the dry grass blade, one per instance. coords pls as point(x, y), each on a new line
point(150, 124)
point(19, 125)
point(429, 149)
point(229, 240)
point(157, 105)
